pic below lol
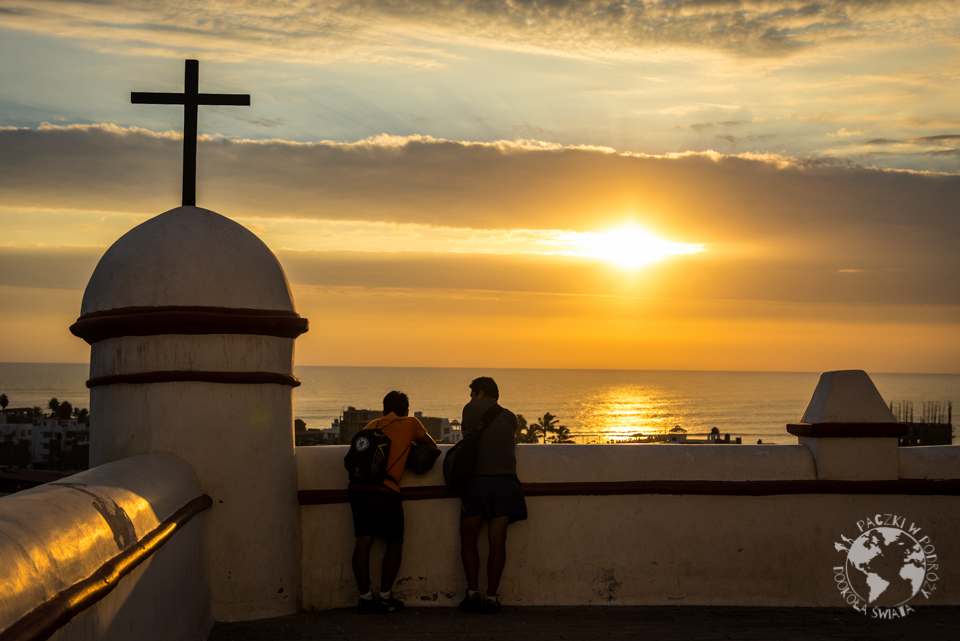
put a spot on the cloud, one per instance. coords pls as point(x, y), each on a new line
point(778, 228)
point(414, 31)
point(854, 264)
point(914, 141)
point(735, 140)
point(521, 184)
point(48, 267)
point(843, 132)
point(940, 138)
point(703, 277)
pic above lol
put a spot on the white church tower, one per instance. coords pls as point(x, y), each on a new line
point(192, 325)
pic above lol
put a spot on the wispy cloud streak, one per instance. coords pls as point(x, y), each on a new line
point(414, 31)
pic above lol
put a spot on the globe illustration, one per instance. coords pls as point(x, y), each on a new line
point(885, 566)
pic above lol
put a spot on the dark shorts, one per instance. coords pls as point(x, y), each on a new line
point(377, 513)
point(494, 496)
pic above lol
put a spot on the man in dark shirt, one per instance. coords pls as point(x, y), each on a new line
point(493, 495)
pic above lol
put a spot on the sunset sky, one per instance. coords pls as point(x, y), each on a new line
point(703, 184)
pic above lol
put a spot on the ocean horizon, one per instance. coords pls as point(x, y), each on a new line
point(594, 404)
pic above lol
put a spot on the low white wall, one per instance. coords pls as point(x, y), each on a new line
point(930, 462)
point(58, 534)
point(636, 549)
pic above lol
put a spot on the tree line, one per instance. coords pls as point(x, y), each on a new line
point(546, 426)
point(58, 409)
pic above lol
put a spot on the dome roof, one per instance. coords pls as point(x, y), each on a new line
point(188, 257)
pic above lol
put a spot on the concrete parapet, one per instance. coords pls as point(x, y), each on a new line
point(932, 462)
point(58, 535)
point(322, 467)
point(645, 525)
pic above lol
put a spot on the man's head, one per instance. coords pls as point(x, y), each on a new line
point(396, 402)
point(484, 387)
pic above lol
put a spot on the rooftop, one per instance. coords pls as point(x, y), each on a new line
point(611, 623)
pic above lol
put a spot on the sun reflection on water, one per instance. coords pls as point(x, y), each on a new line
point(628, 411)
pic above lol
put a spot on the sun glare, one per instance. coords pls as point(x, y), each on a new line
point(631, 247)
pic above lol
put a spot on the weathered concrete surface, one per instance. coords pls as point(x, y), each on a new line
point(666, 623)
point(632, 550)
point(57, 534)
point(188, 256)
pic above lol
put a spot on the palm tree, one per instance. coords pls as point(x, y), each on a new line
point(53, 404)
point(64, 410)
point(546, 424)
point(563, 436)
point(525, 433)
point(4, 401)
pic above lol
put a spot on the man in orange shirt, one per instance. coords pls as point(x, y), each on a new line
point(378, 509)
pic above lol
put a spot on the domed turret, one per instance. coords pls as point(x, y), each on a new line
point(188, 257)
point(192, 324)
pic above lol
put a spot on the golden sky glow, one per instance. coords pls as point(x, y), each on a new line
point(755, 185)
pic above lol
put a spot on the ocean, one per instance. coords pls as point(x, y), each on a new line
point(596, 405)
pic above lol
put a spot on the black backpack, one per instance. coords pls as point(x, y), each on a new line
point(461, 460)
point(366, 460)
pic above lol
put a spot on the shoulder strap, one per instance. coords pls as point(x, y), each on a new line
point(489, 416)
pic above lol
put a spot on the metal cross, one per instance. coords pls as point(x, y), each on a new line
point(190, 99)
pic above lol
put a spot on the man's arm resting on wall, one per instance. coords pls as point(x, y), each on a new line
point(427, 440)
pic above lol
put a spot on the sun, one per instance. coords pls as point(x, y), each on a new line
point(631, 247)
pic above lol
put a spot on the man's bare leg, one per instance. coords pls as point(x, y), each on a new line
point(391, 564)
point(497, 535)
point(469, 532)
point(361, 563)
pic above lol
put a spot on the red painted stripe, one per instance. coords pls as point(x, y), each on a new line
point(151, 321)
point(695, 488)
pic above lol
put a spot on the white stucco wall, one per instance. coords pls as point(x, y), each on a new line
point(239, 441)
point(639, 549)
point(209, 352)
point(58, 534)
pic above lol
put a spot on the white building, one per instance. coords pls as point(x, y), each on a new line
point(331, 435)
point(450, 431)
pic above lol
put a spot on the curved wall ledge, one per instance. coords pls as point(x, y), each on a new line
point(228, 378)
point(151, 321)
point(65, 545)
point(48, 617)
